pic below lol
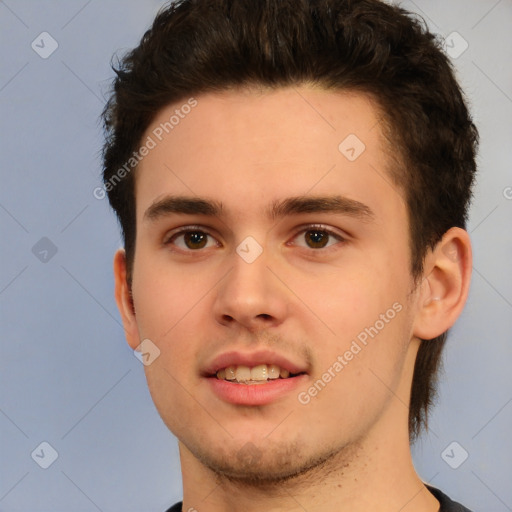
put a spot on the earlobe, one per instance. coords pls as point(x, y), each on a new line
point(445, 285)
point(124, 299)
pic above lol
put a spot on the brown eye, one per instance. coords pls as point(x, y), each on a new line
point(192, 240)
point(316, 239)
point(195, 239)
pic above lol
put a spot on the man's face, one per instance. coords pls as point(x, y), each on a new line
point(263, 241)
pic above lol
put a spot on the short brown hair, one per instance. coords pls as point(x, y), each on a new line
point(198, 46)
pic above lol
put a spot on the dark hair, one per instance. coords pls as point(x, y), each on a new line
point(198, 46)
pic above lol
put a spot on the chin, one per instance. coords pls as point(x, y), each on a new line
point(264, 466)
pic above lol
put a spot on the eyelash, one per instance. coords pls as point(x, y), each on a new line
point(302, 231)
point(324, 229)
point(183, 231)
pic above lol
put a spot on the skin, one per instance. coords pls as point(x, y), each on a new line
point(348, 448)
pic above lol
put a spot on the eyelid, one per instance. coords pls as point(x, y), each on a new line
point(184, 229)
point(340, 235)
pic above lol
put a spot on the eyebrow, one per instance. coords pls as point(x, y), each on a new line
point(322, 204)
point(289, 206)
point(184, 205)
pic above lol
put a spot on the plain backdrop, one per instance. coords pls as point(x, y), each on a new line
point(68, 378)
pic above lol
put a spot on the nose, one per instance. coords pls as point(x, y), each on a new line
point(251, 296)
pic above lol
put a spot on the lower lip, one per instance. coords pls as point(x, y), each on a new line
point(254, 394)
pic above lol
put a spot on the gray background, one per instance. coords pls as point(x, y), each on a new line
point(67, 376)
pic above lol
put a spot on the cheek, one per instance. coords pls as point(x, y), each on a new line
point(359, 372)
point(344, 301)
point(169, 310)
point(163, 293)
point(361, 316)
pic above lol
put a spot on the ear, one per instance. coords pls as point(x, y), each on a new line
point(124, 300)
point(445, 285)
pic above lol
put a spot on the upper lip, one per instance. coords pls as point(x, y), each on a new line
point(251, 359)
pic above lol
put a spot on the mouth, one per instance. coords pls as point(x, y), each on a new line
point(259, 374)
point(254, 379)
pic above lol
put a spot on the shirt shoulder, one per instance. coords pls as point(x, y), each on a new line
point(175, 508)
point(447, 505)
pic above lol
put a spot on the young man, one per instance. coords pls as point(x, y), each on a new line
point(292, 180)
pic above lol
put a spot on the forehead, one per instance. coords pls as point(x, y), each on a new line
point(249, 147)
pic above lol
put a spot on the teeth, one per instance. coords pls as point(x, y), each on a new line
point(230, 373)
point(243, 373)
point(259, 373)
point(273, 371)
